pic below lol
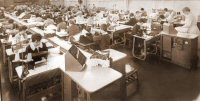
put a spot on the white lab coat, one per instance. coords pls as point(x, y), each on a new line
point(167, 14)
point(79, 19)
point(191, 24)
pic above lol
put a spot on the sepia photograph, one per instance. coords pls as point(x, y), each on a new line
point(99, 50)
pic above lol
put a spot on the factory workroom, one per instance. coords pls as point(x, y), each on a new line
point(100, 50)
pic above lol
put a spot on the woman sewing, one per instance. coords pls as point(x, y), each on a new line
point(21, 35)
point(36, 48)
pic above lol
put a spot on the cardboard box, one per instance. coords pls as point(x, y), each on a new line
point(169, 28)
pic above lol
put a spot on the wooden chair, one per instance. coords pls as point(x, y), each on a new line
point(129, 83)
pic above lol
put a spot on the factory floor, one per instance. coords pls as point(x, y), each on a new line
point(158, 81)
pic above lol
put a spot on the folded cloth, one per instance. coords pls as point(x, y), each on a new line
point(99, 63)
point(53, 27)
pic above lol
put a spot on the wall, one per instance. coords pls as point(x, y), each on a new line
point(111, 4)
point(99, 3)
point(7, 3)
point(134, 5)
point(57, 2)
point(71, 2)
point(1, 3)
point(193, 4)
point(170, 4)
point(74, 2)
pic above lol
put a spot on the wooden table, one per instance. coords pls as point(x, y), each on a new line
point(54, 61)
point(92, 80)
point(180, 49)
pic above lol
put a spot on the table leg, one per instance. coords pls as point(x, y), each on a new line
point(20, 89)
point(133, 49)
point(145, 50)
point(10, 71)
point(4, 53)
point(88, 97)
point(81, 94)
point(112, 38)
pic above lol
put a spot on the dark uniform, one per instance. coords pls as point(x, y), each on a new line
point(37, 58)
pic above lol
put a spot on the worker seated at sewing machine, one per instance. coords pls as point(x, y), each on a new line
point(101, 38)
point(136, 30)
point(140, 32)
point(48, 20)
point(132, 20)
point(9, 24)
point(36, 50)
point(17, 37)
point(62, 25)
point(162, 19)
point(7, 28)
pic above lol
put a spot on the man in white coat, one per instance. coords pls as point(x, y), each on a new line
point(190, 21)
point(190, 24)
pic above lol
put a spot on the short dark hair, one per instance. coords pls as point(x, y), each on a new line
point(72, 22)
point(104, 27)
point(142, 9)
point(141, 20)
point(98, 11)
point(162, 16)
point(70, 13)
point(186, 9)
point(10, 21)
point(59, 19)
point(131, 15)
point(49, 16)
point(137, 12)
point(37, 15)
point(165, 9)
point(22, 28)
point(36, 37)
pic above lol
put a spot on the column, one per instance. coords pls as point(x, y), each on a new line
point(126, 3)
